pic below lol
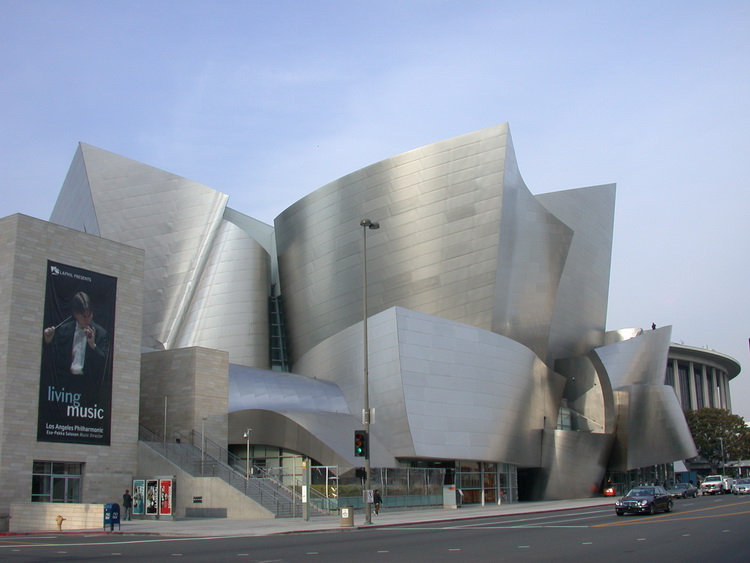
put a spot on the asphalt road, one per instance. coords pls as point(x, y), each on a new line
point(702, 529)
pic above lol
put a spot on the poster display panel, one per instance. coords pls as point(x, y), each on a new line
point(77, 339)
point(165, 496)
point(139, 496)
point(152, 497)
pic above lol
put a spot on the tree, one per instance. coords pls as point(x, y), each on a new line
point(719, 436)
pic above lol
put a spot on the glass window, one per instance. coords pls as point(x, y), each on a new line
point(564, 421)
point(53, 481)
point(468, 465)
point(470, 481)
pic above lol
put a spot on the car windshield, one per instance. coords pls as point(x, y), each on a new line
point(743, 481)
point(681, 486)
point(641, 492)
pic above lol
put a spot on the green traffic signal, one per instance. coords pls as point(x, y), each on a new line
point(360, 443)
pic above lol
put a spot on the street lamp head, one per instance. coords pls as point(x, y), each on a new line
point(369, 224)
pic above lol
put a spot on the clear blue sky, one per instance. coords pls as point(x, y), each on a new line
point(268, 100)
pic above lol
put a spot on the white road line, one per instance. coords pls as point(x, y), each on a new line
point(537, 518)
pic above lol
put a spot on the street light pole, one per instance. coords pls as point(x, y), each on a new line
point(366, 224)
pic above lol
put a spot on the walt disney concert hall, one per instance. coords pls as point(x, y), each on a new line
point(475, 312)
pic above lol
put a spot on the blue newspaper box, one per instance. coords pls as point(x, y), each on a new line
point(111, 516)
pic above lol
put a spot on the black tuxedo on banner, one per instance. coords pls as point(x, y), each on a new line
point(60, 351)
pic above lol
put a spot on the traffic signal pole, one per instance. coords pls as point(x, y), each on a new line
point(366, 225)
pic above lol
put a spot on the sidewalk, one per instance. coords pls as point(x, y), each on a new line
point(210, 527)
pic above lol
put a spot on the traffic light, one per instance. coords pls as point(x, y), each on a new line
point(360, 443)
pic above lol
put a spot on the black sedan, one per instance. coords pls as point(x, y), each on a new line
point(683, 490)
point(644, 500)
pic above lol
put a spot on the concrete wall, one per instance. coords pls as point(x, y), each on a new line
point(25, 246)
point(42, 516)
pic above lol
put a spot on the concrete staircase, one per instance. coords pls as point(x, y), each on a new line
point(210, 460)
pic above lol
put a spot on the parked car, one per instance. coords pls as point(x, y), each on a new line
point(716, 485)
point(684, 490)
point(728, 485)
point(741, 487)
point(644, 500)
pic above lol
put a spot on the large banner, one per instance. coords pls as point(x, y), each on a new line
point(75, 383)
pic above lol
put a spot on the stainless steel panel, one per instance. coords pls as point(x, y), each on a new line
point(574, 463)
point(580, 310)
point(436, 252)
point(253, 388)
point(195, 258)
point(442, 389)
point(231, 292)
point(651, 428)
point(639, 360)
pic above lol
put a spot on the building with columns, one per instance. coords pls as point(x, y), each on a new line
point(701, 377)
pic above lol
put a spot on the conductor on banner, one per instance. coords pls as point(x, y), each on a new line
point(78, 345)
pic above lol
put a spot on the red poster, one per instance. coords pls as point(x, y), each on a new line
point(165, 497)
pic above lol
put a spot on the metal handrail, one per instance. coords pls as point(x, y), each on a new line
point(199, 463)
point(215, 450)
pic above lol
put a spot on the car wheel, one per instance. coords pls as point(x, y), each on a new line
point(619, 512)
point(669, 507)
point(652, 509)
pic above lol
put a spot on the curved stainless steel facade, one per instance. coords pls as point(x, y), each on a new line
point(206, 272)
point(436, 389)
point(460, 238)
point(651, 427)
point(487, 307)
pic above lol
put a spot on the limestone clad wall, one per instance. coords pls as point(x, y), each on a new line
point(180, 387)
point(26, 244)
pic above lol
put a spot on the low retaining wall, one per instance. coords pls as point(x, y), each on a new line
point(42, 516)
